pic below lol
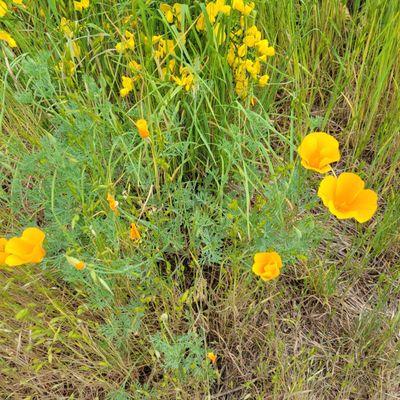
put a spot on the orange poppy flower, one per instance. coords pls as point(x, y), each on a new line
point(141, 125)
point(212, 357)
point(25, 249)
point(112, 203)
point(134, 232)
point(318, 150)
point(3, 254)
point(267, 265)
point(346, 197)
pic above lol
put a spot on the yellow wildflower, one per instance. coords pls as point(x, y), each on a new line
point(141, 125)
point(200, 24)
point(127, 86)
point(212, 357)
point(213, 8)
point(263, 81)
point(186, 79)
point(231, 55)
point(264, 49)
point(134, 66)
point(3, 8)
point(222, 7)
point(8, 38)
point(134, 233)
point(65, 27)
point(166, 9)
point(81, 5)
point(177, 10)
point(242, 50)
point(67, 67)
point(242, 88)
point(112, 203)
point(253, 67)
point(127, 43)
point(243, 8)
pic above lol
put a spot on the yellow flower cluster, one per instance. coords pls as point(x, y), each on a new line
point(143, 129)
point(344, 196)
point(162, 47)
point(173, 14)
point(125, 47)
point(67, 27)
point(163, 53)
point(247, 52)
point(247, 49)
point(81, 5)
point(26, 249)
point(213, 9)
point(72, 50)
point(127, 43)
point(185, 79)
point(242, 7)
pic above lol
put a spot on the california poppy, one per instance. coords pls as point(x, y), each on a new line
point(25, 249)
point(212, 357)
point(346, 197)
point(267, 265)
point(318, 150)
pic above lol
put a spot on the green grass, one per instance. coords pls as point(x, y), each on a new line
point(219, 180)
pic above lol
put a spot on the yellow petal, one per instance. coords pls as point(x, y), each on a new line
point(14, 261)
point(348, 187)
point(327, 189)
point(37, 254)
point(271, 271)
point(34, 235)
point(365, 205)
point(258, 268)
point(19, 247)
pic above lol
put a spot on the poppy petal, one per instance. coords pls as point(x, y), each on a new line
point(327, 189)
point(34, 235)
point(366, 205)
point(19, 247)
point(349, 185)
point(14, 261)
